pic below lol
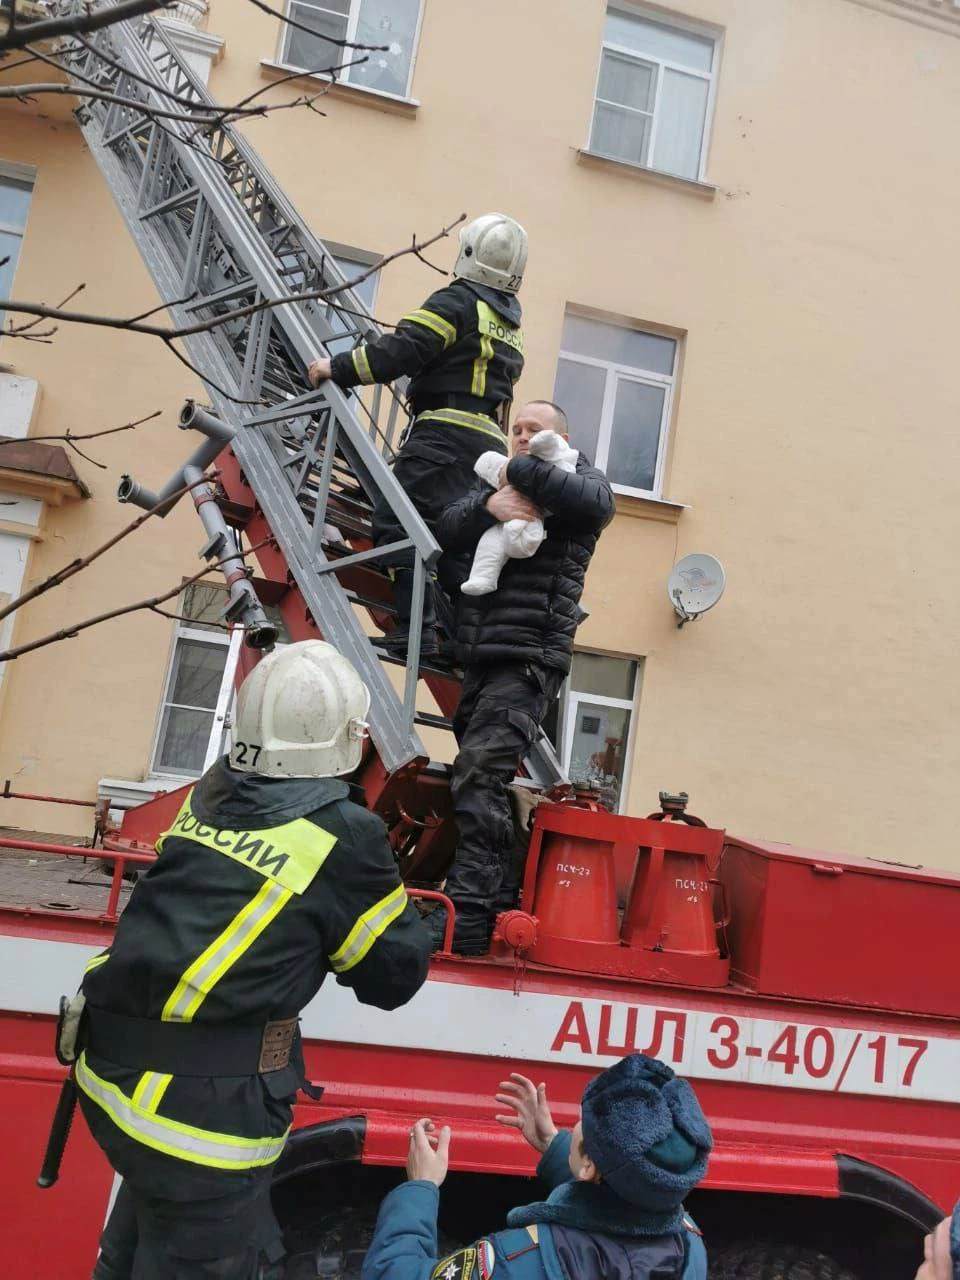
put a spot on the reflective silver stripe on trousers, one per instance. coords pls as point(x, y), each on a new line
point(199, 1146)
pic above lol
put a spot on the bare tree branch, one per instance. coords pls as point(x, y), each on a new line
point(20, 35)
point(12, 66)
point(318, 35)
point(182, 617)
point(169, 333)
point(47, 333)
point(70, 438)
point(24, 92)
point(68, 633)
point(190, 103)
point(165, 306)
point(74, 567)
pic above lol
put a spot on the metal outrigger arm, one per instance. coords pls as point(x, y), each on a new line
point(221, 547)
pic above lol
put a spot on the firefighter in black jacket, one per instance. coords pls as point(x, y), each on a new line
point(463, 351)
point(268, 879)
point(515, 645)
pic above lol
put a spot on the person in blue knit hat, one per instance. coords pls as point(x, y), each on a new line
point(941, 1250)
point(618, 1180)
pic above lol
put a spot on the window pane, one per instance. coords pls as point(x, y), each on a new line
point(9, 248)
point(310, 52)
point(618, 344)
point(625, 81)
point(366, 290)
point(578, 390)
point(598, 750)
point(392, 23)
point(635, 437)
point(183, 740)
point(203, 603)
point(14, 202)
point(197, 673)
point(658, 40)
point(621, 134)
point(680, 120)
point(607, 677)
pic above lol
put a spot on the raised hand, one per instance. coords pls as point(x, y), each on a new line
point(530, 1111)
point(429, 1153)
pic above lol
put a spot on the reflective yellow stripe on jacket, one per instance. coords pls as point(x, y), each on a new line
point(287, 857)
point(437, 324)
point(183, 1141)
point(362, 365)
point(223, 953)
point(491, 327)
point(460, 418)
point(368, 929)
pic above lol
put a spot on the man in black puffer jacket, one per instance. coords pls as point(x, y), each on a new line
point(515, 645)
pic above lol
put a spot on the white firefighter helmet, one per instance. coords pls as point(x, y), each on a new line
point(493, 251)
point(301, 713)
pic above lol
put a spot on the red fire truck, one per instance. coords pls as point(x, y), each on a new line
point(809, 997)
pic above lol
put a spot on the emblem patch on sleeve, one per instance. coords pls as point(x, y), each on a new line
point(476, 1262)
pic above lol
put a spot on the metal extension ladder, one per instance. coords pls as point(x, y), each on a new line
point(218, 234)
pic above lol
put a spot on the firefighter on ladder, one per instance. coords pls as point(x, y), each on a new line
point(269, 879)
point(463, 352)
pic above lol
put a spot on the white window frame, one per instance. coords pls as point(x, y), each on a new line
point(630, 374)
point(350, 36)
point(660, 65)
point(570, 713)
point(231, 642)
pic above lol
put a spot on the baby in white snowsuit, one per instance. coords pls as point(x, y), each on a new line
point(513, 539)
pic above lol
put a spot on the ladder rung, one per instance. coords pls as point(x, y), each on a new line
point(430, 721)
point(453, 674)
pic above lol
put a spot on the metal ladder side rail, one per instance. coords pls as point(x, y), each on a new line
point(392, 726)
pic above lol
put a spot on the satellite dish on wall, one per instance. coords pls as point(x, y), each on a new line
point(695, 585)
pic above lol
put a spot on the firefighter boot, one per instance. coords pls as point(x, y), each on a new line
point(395, 642)
point(471, 933)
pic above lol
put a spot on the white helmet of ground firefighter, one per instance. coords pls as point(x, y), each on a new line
point(301, 713)
point(493, 251)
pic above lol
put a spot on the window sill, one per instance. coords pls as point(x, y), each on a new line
point(127, 793)
point(705, 190)
point(640, 508)
point(361, 94)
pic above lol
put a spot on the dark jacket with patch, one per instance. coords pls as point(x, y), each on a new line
point(534, 613)
point(267, 955)
point(404, 1246)
point(465, 341)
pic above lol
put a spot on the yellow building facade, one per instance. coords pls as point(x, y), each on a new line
point(741, 285)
